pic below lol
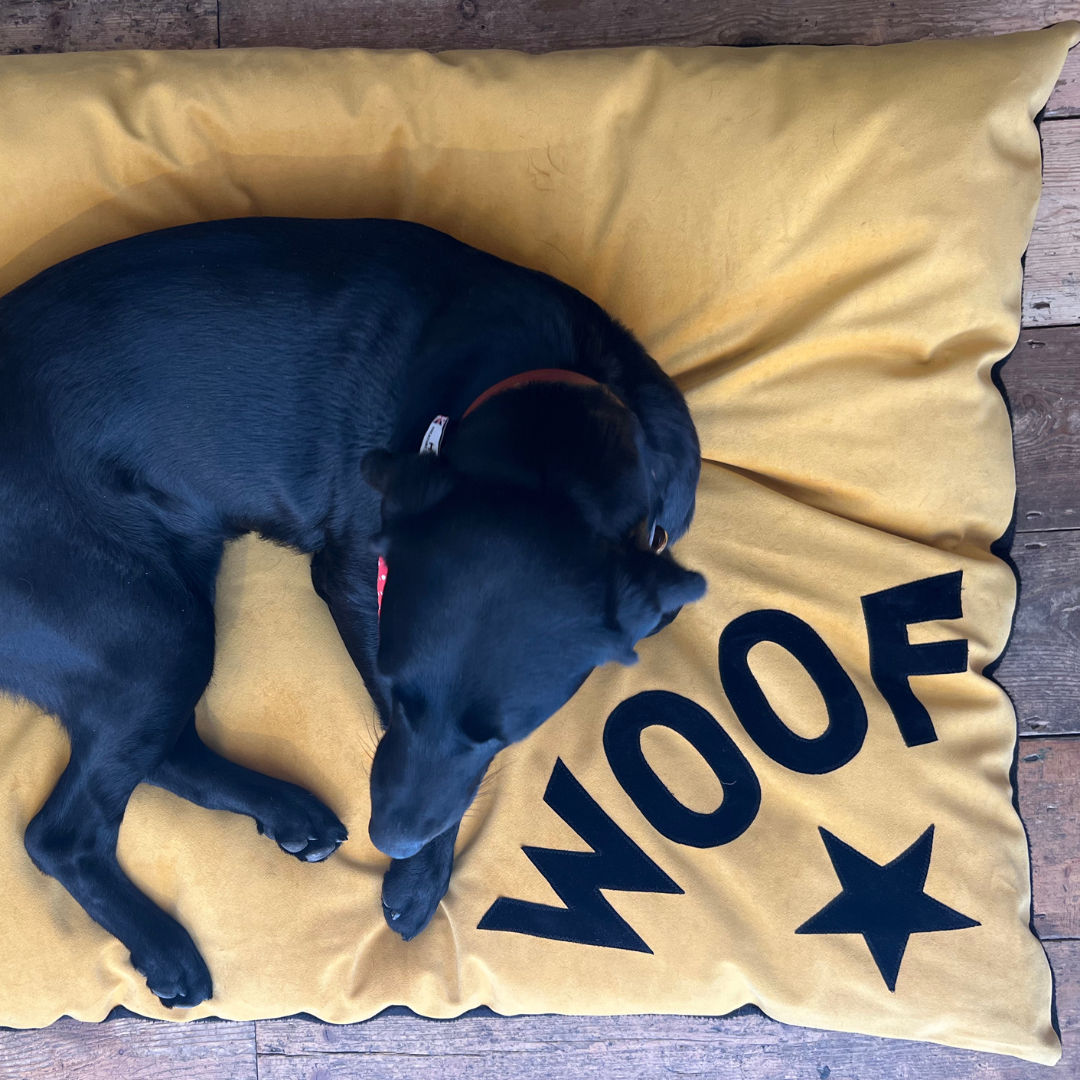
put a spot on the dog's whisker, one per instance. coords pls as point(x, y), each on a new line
point(375, 728)
point(492, 773)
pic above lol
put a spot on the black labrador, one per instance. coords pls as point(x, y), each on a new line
point(164, 394)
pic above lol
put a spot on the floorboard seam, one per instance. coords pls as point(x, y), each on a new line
point(1051, 529)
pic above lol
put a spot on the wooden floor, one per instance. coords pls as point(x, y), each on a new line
point(1041, 670)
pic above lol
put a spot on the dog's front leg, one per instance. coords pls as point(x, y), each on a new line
point(344, 576)
point(413, 888)
point(298, 822)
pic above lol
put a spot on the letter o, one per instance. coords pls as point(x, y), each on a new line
point(844, 736)
point(671, 818)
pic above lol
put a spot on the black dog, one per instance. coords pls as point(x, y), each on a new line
point(164, 394)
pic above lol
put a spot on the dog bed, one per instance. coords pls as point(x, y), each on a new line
point(801, 796)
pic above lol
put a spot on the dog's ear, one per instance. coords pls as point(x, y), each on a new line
point(649, 591)
point(575, 440)
point(408, 483)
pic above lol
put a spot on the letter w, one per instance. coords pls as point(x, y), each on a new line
point(615, 862)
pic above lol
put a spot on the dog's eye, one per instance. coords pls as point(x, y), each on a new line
point(654, 539)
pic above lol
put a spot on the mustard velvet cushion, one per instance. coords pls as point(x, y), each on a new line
point(810, 807)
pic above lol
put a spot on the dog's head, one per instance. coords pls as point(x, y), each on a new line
point(515, 567)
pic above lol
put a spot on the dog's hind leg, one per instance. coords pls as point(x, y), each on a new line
point(143, 650)
point(73, 839)
point(299, 823)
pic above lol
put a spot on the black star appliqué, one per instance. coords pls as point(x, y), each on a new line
point(886, 904)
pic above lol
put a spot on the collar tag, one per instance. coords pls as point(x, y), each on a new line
point(433, 437)
point(431, 444)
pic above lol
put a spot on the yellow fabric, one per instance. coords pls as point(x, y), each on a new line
point(823, 247)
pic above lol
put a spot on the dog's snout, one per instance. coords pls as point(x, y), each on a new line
point(396, 847)
point(421, 784)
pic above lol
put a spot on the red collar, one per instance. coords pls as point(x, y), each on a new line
point(548, 375)
point(433, 437)
point(432, 441)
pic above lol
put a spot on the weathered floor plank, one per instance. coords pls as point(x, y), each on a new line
point(32, 26)
point(1041, 668)
point(1049, 785)
point(749, 1047)
point(65, 25)
point(561, 24)
point(1051, 276)
point(1042, 378)
point(130, 1049)
point(1065, 100)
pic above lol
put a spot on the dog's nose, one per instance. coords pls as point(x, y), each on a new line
point(395, 847)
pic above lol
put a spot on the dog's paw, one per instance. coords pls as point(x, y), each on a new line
point(301, 825)
point(408, 910)
point(175, 972)
point(412, 888)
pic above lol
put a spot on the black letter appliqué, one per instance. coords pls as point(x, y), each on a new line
point(615, 862)
point(893, 658)
point(840, 741)
point(670, 818)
